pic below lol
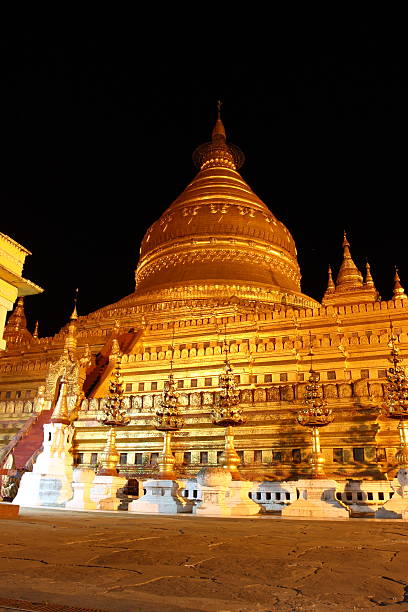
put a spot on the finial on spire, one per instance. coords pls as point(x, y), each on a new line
point(218, 133)
point(330, 283)
point(346, 245)
point(218, 153)
point(74, 315)
point(399, 292)
point(368, 282)
point(70, 342)
point(35, 332)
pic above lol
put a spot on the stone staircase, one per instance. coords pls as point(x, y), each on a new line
point(12, 425)
point(27, 440)
point(126, 341)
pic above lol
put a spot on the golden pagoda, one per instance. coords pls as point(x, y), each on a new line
point(218, 259)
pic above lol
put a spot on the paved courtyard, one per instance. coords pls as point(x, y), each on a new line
point(57, 560)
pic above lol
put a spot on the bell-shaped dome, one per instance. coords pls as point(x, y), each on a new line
point(219, 236)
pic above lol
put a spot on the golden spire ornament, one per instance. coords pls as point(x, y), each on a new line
point(349, 275)
point(70, 343)
point(227, 413)
point(315, 415)
point(218, 152)
point(398, 291)
point(396, 399)
point(35, 332)
point(168, 419)
point(115, 416)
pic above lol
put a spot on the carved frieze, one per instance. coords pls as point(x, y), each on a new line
point(330, 391)
point(195, 399)
point(147, 401)
point(345, 390)
point(287, 393)
point(137, 403)
point(259, 395)
point(208, 398)
point(272, 394)
point(246, 396)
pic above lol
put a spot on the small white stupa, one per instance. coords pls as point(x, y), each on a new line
point(50, 482)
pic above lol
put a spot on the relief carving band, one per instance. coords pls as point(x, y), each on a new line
point(196, 262)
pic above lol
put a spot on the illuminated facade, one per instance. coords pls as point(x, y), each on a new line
point(219, 269)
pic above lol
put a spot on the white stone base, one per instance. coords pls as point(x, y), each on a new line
point(239, 500)
point(43, 490)
point(394, 508)
point(161, 497)
point(213, 502)
point(82, 485)
point(104, 490)
point(397, 506)
point(230, 500)
point(317, 499)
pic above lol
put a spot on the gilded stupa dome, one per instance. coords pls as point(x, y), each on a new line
point(219, 237)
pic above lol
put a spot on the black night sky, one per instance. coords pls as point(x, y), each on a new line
point(98, 130)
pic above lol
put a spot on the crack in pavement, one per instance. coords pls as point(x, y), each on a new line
point(219, 543)
point(198, 562)
point(138, 584)
point(24, 559)
point(109, 567)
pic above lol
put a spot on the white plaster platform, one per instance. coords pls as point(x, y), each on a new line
point(43, 490)
point(104, 489)
point(82, 484)
point(161, 497)
point(222, 496)
point(317, 499)
point(397, 506)
point(50, 482)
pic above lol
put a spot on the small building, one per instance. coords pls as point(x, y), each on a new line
point(12, 284)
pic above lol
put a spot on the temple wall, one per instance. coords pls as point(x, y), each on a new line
point(350, 351)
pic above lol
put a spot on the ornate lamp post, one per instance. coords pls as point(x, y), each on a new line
point(115, 416)
point(167, 420)
point(396, 400)
point(315, 415)
point(228, 413)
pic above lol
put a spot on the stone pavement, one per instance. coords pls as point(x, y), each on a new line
point(66, 561)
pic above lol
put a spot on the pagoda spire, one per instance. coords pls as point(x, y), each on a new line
point(349, 275)
point(399, 291)
point(16, 327)
point(218, 133)
point(74, 315)
point(330, 284)
point(218, 153)
point(368, 281)
point(17, 320)
point(350, 286)
point(35, 332)
point(70, 343)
